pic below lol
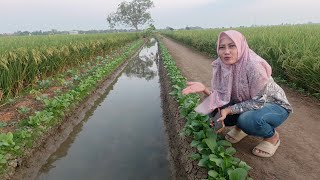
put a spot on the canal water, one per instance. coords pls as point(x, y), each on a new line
point(123, 136)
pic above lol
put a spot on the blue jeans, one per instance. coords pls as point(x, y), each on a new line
point(259, 122)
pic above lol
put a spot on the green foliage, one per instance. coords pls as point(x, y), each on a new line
point(149, 31)
point(132, 13)
point(23, 110)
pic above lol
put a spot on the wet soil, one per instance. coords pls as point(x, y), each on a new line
point(298, 155)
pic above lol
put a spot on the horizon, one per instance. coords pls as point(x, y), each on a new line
point(182, 28)
point(84, 15)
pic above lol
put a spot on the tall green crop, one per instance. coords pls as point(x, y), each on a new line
point(25, 60)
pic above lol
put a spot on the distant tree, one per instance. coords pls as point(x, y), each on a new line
point(149, 31)
point(132, 14)
point(152, 27)
point(169, 28)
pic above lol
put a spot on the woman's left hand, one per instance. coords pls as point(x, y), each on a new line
point(224, 112)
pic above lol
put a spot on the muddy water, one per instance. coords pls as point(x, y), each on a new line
point(123, 137)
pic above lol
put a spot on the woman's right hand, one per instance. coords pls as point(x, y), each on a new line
point(193, 87)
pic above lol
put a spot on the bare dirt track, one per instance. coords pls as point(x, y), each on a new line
point(298, 156)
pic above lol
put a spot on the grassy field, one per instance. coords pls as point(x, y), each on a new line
point(292, 51)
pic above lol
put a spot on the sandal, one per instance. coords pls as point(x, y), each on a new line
point(235, 136)
point(268, 149)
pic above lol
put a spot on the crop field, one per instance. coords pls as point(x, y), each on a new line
point(26, 60)
point(292, 51)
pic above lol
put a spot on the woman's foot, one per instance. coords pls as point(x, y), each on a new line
point(235, 135)
point(268, 146)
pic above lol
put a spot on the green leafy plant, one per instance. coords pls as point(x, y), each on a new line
point(3, 124)
point(45, 83)
point(23, 110)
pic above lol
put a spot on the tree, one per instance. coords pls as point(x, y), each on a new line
point(149, 31)
point(132, 14)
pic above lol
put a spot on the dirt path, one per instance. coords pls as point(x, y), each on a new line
point(298, 156)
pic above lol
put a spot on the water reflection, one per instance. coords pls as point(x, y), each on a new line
point(142, 66)
point(65, 146)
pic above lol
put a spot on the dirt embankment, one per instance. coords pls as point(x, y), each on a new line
point(298, 155)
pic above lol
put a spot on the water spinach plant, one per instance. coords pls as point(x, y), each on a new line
point(213, 153)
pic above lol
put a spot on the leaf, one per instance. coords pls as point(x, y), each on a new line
point(192, 115)
point(210, 143)
point(224, 143)
point(3, 124)
point(3, 161)
point(211, 134)
point(244, 165)
point(235, 160)
point(218, 161)
point(205, 118)
point(213, 156)
point(230, 151)
point(195, 124)
point(195, 156)
point(195, 143)
point(203, 162)
point(200, 147)
point(238, 174)
point(199, 135)
point(183, 112)
point(213, 173)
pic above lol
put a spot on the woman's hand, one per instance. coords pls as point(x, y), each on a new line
point(223, 113)
point(193, 87)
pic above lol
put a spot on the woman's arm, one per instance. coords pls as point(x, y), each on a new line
point(247, 105)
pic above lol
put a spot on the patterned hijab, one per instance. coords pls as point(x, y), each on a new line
point(240, 81)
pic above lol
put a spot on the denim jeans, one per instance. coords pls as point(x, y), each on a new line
point(259, 122)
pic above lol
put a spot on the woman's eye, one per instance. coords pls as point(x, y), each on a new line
point(221, 47)
point(232, 46)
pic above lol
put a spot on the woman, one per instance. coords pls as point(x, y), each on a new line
point(242, 87)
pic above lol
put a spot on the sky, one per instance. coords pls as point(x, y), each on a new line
point(34, 15)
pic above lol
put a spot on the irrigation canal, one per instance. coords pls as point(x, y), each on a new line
point(123, 136)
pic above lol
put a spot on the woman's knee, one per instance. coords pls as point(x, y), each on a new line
point(250, 122)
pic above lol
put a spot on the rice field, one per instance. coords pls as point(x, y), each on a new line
point(292, 51)
point(25, 60)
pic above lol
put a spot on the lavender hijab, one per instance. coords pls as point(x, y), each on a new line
point(240, 81)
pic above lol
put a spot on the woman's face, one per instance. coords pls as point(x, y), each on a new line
point(227, 50)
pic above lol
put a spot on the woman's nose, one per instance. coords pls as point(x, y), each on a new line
point(227, 50)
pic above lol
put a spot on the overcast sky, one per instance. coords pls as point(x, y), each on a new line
point(31, 15)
